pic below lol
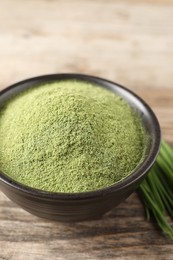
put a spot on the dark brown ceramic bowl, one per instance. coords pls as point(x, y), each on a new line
point(87, 205)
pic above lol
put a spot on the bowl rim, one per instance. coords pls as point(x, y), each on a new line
point(139, 173)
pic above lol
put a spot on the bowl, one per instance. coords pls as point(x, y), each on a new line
point(84, 205)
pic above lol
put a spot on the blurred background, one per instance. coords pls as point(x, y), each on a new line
point(127, 41)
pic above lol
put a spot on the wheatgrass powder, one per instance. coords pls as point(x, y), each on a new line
point(69, 136)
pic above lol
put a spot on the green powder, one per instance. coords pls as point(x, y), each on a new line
point(69, 136)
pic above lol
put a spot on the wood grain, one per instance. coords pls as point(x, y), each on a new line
point(130, 42)
point(123, 234)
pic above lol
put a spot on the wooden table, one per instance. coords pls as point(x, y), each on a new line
point(130, 42)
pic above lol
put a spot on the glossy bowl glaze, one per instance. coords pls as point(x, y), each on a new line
point(87, 205)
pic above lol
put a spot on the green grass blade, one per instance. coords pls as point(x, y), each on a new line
point(156, 191)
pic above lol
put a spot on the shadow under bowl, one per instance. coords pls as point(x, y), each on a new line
point(92, 204)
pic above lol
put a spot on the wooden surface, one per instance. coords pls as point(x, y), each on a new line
point(130, 42)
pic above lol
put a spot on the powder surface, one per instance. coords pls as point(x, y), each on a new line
point(69, 136)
